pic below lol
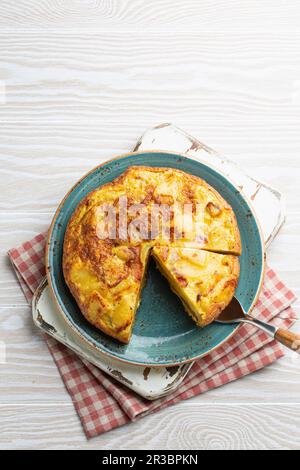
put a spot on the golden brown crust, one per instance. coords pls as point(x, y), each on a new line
point(105, 275)
point(145, 185)
point(105, 280)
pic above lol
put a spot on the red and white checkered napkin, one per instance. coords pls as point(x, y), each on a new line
point(103, 404)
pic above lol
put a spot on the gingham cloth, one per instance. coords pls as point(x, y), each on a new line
point(103, 404)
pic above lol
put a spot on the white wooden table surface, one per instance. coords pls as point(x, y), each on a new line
point(79, 82)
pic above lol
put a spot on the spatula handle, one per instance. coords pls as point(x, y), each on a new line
point(289, 339)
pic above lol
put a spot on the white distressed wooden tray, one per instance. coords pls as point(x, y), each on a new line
point(152, 383)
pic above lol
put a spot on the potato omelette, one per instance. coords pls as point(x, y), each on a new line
point(186, 225)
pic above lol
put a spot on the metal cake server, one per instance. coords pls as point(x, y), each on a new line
point(235, 313)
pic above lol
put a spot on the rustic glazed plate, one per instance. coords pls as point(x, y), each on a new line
point(163, 333)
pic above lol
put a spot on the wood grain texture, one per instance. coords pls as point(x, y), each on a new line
point(34, 152)
point(79, 82)
point(29, 375)
point(239, 79)
point(156, 14)
point(289, 338)
point(15, 228)
point(191, 426)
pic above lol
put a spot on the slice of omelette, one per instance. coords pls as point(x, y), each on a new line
point(204, 281)
point(105, 274)
point(104, 277)
point(108, 287)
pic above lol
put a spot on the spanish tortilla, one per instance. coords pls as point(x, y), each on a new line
point(106, 274)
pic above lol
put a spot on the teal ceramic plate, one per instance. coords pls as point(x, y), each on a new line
point(163, 333)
